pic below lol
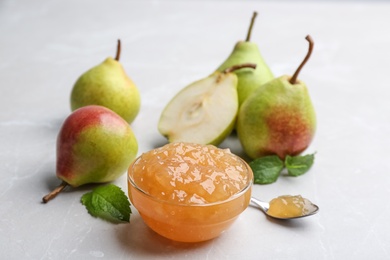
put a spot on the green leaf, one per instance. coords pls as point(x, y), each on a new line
point(266, 169)
point(298, 165)
point(86, 200)
point(109, 203)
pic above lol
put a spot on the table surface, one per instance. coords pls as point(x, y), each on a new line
point(45, 45)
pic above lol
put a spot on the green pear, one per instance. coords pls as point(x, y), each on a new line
point(94, 145)
point(248, 52)
point(205, 111)
point(108, 85)
point(278, 117)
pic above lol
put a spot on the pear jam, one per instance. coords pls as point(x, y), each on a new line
point(189, 192)
point(190, 174)
point(288, 206)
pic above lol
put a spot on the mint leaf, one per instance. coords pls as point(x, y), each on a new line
point(86, 200)
point(266, 169)
point(109, 203)
point(298, 165)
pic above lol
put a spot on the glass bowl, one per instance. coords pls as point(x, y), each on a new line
point(189, 222)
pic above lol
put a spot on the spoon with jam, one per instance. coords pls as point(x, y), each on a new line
point(287, 207)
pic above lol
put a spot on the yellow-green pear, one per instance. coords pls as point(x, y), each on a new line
point(205, 111)
point(248, 52)
point(278, 118)
point(108, 85)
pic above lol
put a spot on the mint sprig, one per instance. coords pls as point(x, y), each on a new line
point(298, 165)
point(108, 202)
point(267, 169)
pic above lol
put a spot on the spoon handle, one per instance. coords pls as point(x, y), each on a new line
point(264, 206)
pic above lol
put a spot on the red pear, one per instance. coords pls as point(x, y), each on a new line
point(94, 145)
point(278, 117)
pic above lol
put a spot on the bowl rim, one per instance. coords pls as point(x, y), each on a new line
point(234, 196)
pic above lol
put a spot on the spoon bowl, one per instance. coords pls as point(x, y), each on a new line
point(308, 208)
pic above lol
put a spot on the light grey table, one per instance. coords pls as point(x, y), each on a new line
point(45, 45)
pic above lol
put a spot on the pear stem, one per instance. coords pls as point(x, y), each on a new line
point(54, 192)
point(118, 50)
point(248, 36)
point(239, 66)
point(294, 78)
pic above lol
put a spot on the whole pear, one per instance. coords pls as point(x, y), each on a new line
point(248, 52)
point(278, 117)
point(94, 145)
point(205, 111)
point(108, 85)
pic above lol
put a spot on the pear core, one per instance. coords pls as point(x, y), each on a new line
point(203, 112)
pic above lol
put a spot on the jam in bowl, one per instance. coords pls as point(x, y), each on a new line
point(189, 192)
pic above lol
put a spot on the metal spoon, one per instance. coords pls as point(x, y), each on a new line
point(264, 206)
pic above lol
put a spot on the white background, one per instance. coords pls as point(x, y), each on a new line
point(46, 45)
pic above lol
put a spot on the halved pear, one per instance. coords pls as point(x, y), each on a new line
point(205, 111)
